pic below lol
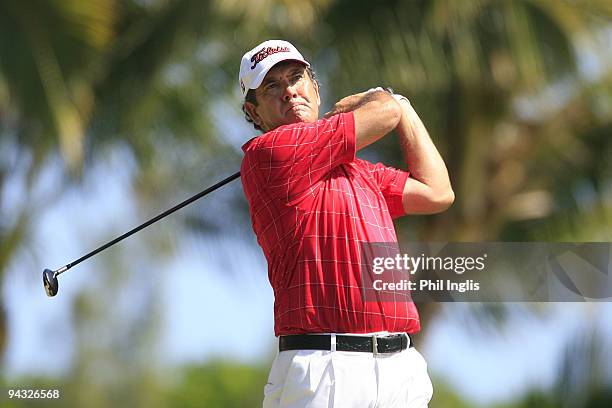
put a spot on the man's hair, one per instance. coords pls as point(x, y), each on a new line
point(250, 97)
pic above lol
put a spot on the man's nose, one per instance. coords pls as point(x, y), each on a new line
point(289, 92)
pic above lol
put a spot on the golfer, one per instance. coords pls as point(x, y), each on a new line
point(313, 206)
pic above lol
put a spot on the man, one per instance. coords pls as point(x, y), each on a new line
point(313, 206)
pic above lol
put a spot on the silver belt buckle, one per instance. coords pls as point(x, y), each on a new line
point(374, 345)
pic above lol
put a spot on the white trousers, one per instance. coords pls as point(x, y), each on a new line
point(345, 379)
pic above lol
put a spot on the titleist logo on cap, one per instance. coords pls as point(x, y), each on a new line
point(266, 52)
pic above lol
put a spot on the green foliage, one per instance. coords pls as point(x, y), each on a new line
point(218, 384)
point(445, 396)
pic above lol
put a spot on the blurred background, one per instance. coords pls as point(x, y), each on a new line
point(112, 111)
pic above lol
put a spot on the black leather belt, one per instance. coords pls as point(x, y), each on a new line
point(372, 344)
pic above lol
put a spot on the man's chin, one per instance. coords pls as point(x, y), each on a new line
point(298, 118)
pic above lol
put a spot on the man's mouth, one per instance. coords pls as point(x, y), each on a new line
point(295, 106)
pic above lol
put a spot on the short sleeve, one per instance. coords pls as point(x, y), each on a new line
point(293, 158)
point(391, 182)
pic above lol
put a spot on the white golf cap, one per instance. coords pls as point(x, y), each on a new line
point(257, 62)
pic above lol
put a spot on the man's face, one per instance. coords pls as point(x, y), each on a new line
point(286, 95)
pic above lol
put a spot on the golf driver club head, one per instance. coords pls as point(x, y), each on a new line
point(50, 282)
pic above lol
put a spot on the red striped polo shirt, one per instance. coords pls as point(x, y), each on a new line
point(313, 204)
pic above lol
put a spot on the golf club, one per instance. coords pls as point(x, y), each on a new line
point(50, 277)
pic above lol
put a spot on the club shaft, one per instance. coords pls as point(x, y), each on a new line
point(151, 221)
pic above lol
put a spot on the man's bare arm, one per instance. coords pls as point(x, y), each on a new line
point(428, 189)
point(376, 113)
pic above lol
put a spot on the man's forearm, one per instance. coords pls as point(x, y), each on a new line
point(420, 154)
point(353, 102)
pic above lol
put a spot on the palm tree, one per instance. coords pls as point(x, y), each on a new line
point(48, 55)
point(79, 78)
point(473, 69)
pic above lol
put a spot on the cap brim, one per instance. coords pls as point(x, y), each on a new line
point(273, 61)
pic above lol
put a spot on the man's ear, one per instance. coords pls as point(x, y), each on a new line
point(316, 86)
point(251, 109)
